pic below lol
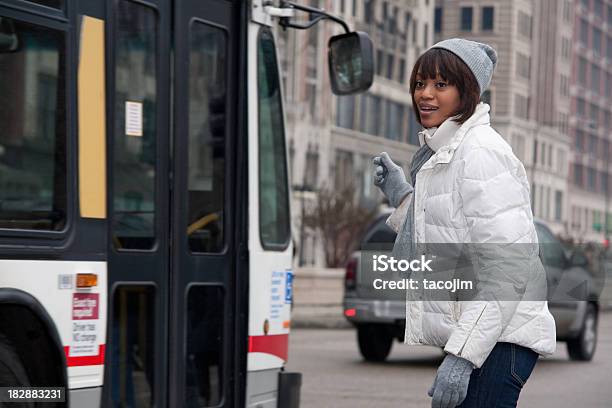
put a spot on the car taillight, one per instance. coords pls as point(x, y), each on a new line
point(350, 274)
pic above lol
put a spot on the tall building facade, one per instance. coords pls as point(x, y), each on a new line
point(590, 121)
point(529, 106)
point(332, 139)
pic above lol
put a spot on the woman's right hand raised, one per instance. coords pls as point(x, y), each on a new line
point(390, 178)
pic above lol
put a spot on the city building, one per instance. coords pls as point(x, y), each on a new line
point(332, 139)
point(529, 98)
point(590, 90)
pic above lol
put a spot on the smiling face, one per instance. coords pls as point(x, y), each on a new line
point(436, 100)
point(442, 86)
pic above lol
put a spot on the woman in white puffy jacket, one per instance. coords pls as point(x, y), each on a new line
point(466, 186)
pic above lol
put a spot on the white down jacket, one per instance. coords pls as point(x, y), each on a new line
point(474, 190)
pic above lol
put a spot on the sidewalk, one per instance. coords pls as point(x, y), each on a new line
point(317, 298)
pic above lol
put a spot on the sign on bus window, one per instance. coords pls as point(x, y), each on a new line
point(135, 127)
point(32, 127)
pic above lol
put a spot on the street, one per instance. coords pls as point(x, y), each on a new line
point(335, 375)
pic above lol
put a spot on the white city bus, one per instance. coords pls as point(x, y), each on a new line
point(145, 245)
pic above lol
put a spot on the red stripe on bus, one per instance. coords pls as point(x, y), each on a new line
point(276, 344)
point(84, 360)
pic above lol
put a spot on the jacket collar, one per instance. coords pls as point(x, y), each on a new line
point(438, 137)
point(445, 139)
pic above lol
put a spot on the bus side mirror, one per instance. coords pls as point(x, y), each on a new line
point(351, 63)
point(9, 41)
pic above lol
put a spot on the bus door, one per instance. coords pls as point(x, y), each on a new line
point(172, 338)
point(204, 203)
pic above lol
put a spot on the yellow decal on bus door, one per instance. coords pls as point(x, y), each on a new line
point(92, 123)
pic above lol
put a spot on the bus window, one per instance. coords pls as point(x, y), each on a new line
point(32, 127)
point(49, 3)
point(273, 191)
point(133, 346)
point(203, 374)
point(207, 127)
point(135, 127)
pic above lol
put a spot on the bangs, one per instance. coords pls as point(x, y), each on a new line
point(443, 62)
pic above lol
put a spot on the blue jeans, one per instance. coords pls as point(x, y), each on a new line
point(498, 383)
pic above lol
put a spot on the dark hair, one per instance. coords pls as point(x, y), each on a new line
point(452, 69)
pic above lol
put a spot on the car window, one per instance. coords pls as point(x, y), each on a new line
point(379, 233)
point(550, 247)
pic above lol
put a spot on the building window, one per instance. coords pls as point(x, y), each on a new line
point(345, 111)
point(581, 108)
point(593, 145)
point(524, 24)
point(594, 117)
point(567, 11)
point(380, 62)
point(609, 48)
point(579, 141)
point(425, 35)
point(599, 8)
point(415, 26)
point(566, 46)
point(402, 70)
point(582, 71)
point(550, 154)
point(311, 169)
point(413, 128)
point(487, 18)
point(390, 64)
point(368, 11)
point(563, 85)
point(344, 169)
point(394, 120)
point(596, 41)
point(558, 205)
point(466, 18)
point(591, 179)
point(561, 163)
point(438, 20)
point(521, 106)
point(578, 175)
point(595, 78)
point(584, 32)
point(523, 65)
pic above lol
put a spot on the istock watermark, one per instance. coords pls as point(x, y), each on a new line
point(384, 263)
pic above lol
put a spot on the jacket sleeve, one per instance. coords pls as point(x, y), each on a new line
point(502, 245)
point(397, 217)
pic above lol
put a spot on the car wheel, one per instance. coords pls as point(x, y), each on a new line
point(582, 348)
point(375, 341)
point(12, 371)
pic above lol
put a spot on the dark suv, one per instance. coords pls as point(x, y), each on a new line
point(379, 315)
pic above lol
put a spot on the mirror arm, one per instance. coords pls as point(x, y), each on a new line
point(320, 15)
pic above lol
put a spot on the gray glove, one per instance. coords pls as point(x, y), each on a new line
point(390, 178)
point(451, 384)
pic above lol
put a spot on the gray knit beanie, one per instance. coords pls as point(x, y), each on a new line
point(480, 58)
